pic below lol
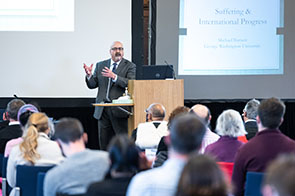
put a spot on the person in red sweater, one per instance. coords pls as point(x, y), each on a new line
point(268, 143)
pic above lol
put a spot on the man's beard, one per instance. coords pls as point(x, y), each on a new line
point(118, 56)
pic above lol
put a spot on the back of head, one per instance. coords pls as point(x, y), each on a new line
point(202, 112)
point(12, 108)
point(202, 176)
point(68, 130)
point(251, 109)
point(37, 123)
point(157, 110)
point(180, 110)
point(25, 112)
point(271, 112)
point(230, 123)
point(280, 176)
point(123, 154)
point(187, 132)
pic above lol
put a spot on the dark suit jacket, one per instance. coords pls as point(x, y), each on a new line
point(251, 128)
point(8, 133)
point(125, 71)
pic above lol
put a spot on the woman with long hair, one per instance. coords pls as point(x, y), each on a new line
point(35, 149)
point(201, 176)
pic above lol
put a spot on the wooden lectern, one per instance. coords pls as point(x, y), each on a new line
point(170, 93)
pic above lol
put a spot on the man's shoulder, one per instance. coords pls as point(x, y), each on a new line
point(160, 180)
point(127, 62)
point(212, 134)
point(10, 130)
point(86, 157)
point(96, 153)
point(168, 169)
point(89, 156)
point(103, 62)
point(251, 124)
point(146, 179)
point(150, 176)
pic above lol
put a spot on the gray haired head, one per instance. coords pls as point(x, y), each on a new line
point(251, 109)
point(230, 123)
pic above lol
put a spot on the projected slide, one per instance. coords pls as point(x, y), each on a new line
point(230, 37)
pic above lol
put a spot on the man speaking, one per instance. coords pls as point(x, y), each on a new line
point(110, 77)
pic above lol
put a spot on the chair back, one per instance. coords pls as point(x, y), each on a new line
point(5, 186)
point(1, 163)
point(26, 178)
point(227, 168)
point(40, 183)
point(243, 139)
point(4, 166)
point(253, 183)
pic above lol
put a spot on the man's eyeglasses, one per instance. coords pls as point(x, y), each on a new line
point(120, 48)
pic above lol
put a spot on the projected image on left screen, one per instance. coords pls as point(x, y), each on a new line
point(37, 15)
point(230, 37)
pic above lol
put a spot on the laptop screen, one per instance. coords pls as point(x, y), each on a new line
point(154, 72)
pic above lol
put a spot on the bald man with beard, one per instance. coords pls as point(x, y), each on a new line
point(111, 78)
point(204, 113)
point(148, 134)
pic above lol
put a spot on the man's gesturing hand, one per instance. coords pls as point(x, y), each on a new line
point(106, 72)
point(88, 69)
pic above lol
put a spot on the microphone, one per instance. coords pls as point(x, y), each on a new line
point(171, 67)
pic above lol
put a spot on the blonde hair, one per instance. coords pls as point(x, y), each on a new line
point(38, 122)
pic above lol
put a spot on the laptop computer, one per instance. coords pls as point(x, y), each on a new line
point(154, 72)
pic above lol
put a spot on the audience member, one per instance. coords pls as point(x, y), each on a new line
point(162, 151)
point(4, 121)
point(148, 134)
point(22, 116)
point(204, 113)
point(279, 178)
point(201, 176)
point(186, 134)
point(229, 126)
point(13, 129)
point(36, 148)
point(268, 143)
point(249, 114)
point(124, 157)
point(81, 167)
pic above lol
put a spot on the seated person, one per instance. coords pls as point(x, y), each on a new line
point(249, 115)
point(148, 134)
point(23, 115)
point(186, 134)
point(81, 167)
point(36, 148)
point(279, 178)
point(202, 176)
point(13, 129)
point(229, 126)
point(267, 144)
point(124, 157)
point(162, 151)
point(204, 113)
